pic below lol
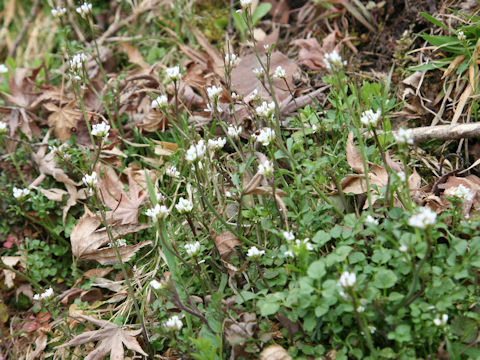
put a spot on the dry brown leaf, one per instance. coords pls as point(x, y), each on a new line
point(253, 183)
point(311, 52)
point(134, 55)
point(40, 345)
point(354, 158)
point(225, 243)
point(63, 119)
point(124, 205)
point(238, 333)
point(112, 339)
point(87, 240)
point(274, 352)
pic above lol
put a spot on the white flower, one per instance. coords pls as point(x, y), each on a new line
point(58, 12)
point(266, 110)
point(370, 118)
point(404, 136)
point(173, 324)
point(423, 218)
point(462, 192)
point(266, 168)
point(461, 36)
point(184, 206)
point(401, 175)
point(372, 329)
point(333, 61)
point(84, 9)
point(403, 248)
point(265, 136)
point(347, 279)
point(210, 109)
point(343, 294)
point(45, 295)
point(3, 127)
point(304, 242)
point(441, 321)
point(20, 193)
point(90, 180)
point(172, 171)
point(3, 69)
point(234, 96)
point(314, 128)
point(231, 60)
point(254, 252)
point(288, 253)
point(196, 151)
point(156, 284)
point(288, 235)
point(259, 72)
point(245, 3)
point(77, 61)
point(157, 212)
point(216, 144)
point(234, 131)
point(173, 73)
point(228, 194)
point(160, 197)
point(192, 248)
point(160, 102)
point(213, 93)
point(360, 308)
point(267, 47)
point(371, 220)
point(101, 130)
point(279, 73)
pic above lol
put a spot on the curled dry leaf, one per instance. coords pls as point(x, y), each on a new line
point(87, 240)
point(274, 352)
point(112, 340)
point(311, 52)
point(239, 332)
point(63, 119)
point(225, 243)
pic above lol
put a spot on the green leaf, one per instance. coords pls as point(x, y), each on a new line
point(316, 270)
point(269, 308)
point(260, 12)
point(434, 21)
point(321, 238)
point(385, 279)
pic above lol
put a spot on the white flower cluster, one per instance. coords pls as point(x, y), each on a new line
point(255, 252)
point(266, 110)
point(304, 243)
point(84, 9)
point(333, 61)
point(404, 136)
point(234, 131)
point(3, 127)
point(101, 130)
point(90, 180)
point(172, 171)
point(266, 168)
point(160, 102)
point(216, 144)
point(259, 72)
point(196, 151)
point(423, 218)
point(403, 248)
point(231, 60)
point(173, 324)
point(401, 175)
point(157, 212)
point(58, 12)
point(370, 118)
point(3, 69)
point(192, 248)
point(45, 295)
point(461, 36)
point(462, 192)
point(76, 64)
point(245, 3)
point(157, 285)
point(173, 73)
point(20, 193)
point(288, 235)
point(265, 136)
point(279, 73)
point(442, 321)
point(371, 220)
point(213, 93)
point(347, 279)
point(184, 206)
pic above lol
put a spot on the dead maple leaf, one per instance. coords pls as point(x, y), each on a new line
point(87, 240)
point(112, 339)
point(124, 205)
point(274, 352)
point(63, 119)
point(225, 243)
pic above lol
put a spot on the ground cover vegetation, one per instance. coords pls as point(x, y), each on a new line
point(239, 180)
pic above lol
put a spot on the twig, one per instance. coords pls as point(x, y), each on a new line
point(446, 132)
point(18, 40)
